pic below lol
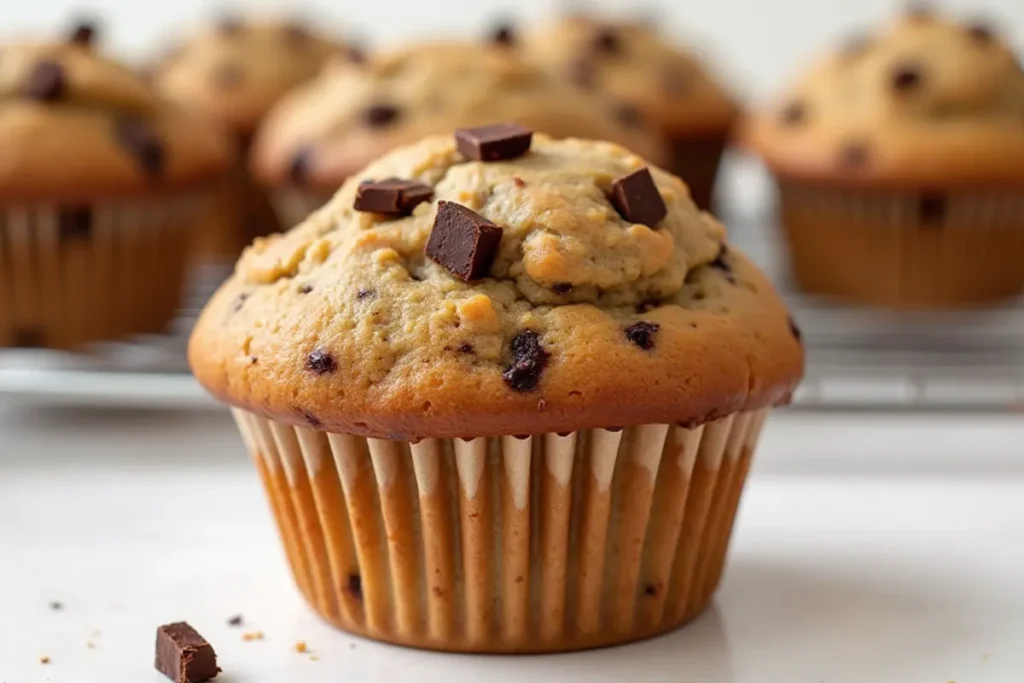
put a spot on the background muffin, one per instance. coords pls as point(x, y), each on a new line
point(633, 64)
point(353, 113)
point(899, 164)
point(514, 411)
point(101, 183)
point(232, 73)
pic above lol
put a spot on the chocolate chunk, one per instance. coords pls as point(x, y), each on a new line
point(498, 142)
point(140, 140)
point(628, 115)
point(793, 114)
point(606, 41)
point(392, 196)
point(561, 287)
point(906, 77)
point(302, 162)
point(931, 209)
point(528, 362)
point(321, 362)
point(183, 655)
point(379, 115)
point(795, 330)
point(637, 199)
point(504, 34)
point(853, 155)
point(462, 241)
point(46, 82)
point(981, 33)
point(235, 620)
point(355, 586)
point(228, 76)
point(582, 73)
point(83, 33)
point(642, 334)
point(74, 224)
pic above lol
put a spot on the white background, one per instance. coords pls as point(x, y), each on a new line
point(757, 43)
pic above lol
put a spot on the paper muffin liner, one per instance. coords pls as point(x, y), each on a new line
point(552, 542)
point(294, 204)
point(696, 159)
point(905, 249)
point(74, 275)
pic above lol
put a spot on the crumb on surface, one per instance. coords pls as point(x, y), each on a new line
point(250, 636)
point(44, 660)
point(235, 620)
point(301, 646)
point(56, 605)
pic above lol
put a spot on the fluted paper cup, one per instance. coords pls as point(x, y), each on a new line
point(552, 542)
point(905, 249)
point(74, 275)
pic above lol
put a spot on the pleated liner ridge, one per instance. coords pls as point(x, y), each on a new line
point(547, 543)
point(73, 275)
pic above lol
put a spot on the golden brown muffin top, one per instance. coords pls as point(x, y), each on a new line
point(926, 101)
point(609, 299)
point(631, 62)
point(353, 113)
point(76, 126)
point(234, 71)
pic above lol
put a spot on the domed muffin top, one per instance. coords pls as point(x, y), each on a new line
point(926, 101)
point(76, 126)
point(492, 284)
point(234, 71)
point(355, 112)
point(632, 62)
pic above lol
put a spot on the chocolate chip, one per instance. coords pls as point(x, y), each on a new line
point(140, 140)
point(355, 586)
point(528, 362)
point(462, 241)
point(497, 142)
point(637, 199)
point(29, 338)
point(302, 162)
point(364, 293)
point(642, 334)
point(606, 41)
point(74, 224)
point(931, 209)
point(321, 362)
point(465, 348)
point(305, 288)
point(228, 76)
point(392, 196)
point(793, 114)
point(561, 287)
point(46, 82)
point(253, 360)
point(981, 33)
point(379, 115)
point(183, 655)
point(628, 115)
point(582, 73)
point(795, 330)
point(853, 155)
point(906, 77)
point(503, 34)
point(83, 33)
point(235, 620)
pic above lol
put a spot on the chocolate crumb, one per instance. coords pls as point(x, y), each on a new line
point(235, 620)
point(528, 362)
point(642, 334)
point(561, 287)
point(253, 360)
point(355, 586)
point(56, 606)
point(321, 362)
point(379, 115)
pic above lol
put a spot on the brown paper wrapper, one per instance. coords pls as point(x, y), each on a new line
point(553, 542)
point(905, 250)
point(696, 161)
point(65, 282)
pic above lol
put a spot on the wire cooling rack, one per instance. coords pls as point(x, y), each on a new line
point(857, 358)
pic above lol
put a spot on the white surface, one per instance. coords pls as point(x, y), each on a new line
point(868, 551)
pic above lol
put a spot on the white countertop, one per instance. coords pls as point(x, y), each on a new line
point(869, 550)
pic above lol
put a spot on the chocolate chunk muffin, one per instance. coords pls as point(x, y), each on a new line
point(899, 165)
point(101, 185)
point(652, 79)
point(503, 391)
point(232, 73)
point(354, 112)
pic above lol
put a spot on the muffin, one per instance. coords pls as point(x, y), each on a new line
point(504, 405)
point(632, 63)
point(350, 115)
point(232, 73)
point(900, 166)
point(101, 184)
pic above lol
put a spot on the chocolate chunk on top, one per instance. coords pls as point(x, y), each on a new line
point(392, 196)
point(498, 142)
point(140, 140)
point(463, 242)
point(642, 334)
point(183, 655)
point(637, 199)
point(528, 362)
point(47, 82)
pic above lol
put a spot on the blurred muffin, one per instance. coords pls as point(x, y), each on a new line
point(900, 165)
point(233, 73)
point(504, 405)
point(101, 184)
point(633, 63)
point(332, 127)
